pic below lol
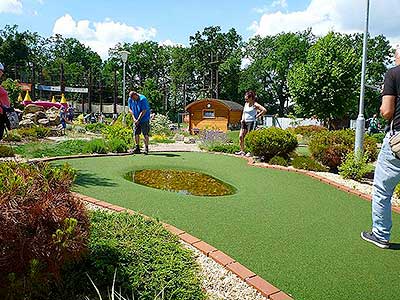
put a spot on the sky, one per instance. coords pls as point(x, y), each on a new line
point(102, 24)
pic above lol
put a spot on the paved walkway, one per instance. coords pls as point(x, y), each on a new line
point(174, 147)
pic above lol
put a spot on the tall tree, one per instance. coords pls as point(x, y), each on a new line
point(272, 58)
point(326, 84)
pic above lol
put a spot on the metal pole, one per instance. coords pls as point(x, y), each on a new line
point(360, 124)
point(123, 98)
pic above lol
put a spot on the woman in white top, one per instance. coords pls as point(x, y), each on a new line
point(251, 112)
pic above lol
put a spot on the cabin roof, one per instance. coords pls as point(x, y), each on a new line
point(228, 104)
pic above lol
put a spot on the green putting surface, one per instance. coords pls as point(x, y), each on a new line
point(301, 235)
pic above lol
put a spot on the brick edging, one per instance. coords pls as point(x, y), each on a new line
point(264, 287)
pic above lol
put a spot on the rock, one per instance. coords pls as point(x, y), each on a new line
point(179, 137)
point(40, 115)
point(189, 140)
point(33, 108)
point(29, 116)
point(44, 122)
point(54, 120)
point(26, 123)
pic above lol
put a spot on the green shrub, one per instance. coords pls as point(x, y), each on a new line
point(354, 166)
point(330, 147)
point(161, 138)
point(270, 142)
point(96, 127)
point(308, 130)
point(225, 148)
point(42, 132)
point(6, 151)
point(27, 133)
point(117, 145)
point(120, 132)
point(12, 136)
point(397, 191)
point(96, 146)
point(160, 125)
point(378, 137)
point(307, 163)
point(148, 259)
point(43, 227)
point(278, 160)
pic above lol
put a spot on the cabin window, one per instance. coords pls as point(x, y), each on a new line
point(208, 114)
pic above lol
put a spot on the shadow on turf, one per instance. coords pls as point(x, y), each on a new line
point(164, 154)
point(394, 246)
point(88, 179)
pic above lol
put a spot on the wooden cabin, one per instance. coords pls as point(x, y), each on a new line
point(214, 114)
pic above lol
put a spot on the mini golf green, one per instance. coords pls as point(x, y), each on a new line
point(299, 234)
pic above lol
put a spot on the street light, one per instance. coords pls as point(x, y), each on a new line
point(124, 58)
point(360, 124)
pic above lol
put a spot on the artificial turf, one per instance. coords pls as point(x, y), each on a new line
point(301, 235)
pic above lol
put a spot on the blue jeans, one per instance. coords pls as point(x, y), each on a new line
point(387, 176)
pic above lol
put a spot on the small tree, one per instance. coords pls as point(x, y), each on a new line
point(13, 90)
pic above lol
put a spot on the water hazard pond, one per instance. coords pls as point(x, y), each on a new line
point(183, 182)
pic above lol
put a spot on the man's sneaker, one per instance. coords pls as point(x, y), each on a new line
point(370, 237)
point(137, 150)
point(240, 153)
point(248, 154)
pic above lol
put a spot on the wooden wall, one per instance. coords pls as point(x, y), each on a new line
point(222, 116)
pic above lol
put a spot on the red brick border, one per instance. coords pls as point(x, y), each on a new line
point(264, 287)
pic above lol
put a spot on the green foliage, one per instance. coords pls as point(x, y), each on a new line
point(226, 148)
point(161, 138)
point(96, 146)
point(160, 125)
point(13, 90)
point(153, 93)
point(378, 137)
point(308, 130)
point(278, 160)
point(354, 166)
point(6, 151)
point(117, 145)
point(271, 142)
point(43, 227)
point(50, 149)
point(397, 191)
point(148, 259)
point(274, 55)
point(12, 136)
point(120, 132)
point(42, 132)
point(325, 85)
point(330, 147)
point(307, 163)
point(96, 127)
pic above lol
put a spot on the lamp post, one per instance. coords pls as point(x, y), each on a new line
point(360, 124)
point(124, 58)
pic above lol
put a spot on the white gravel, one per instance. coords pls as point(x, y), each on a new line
point(365, 186)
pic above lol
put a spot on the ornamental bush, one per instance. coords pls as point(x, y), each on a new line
point(308, 130)
point(117, 145)
point(160, 125)
point(270, 142)
point(278, 160)
point(148, 259)
point(331, 147)
point(354, 167)
point(307, 163)
point(42, 227)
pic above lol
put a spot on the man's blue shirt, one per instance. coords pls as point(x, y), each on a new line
point(138, 106)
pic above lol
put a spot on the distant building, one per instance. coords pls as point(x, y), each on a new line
point(214, 114)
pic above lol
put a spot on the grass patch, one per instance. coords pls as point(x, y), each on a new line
point(233, 136)
point(50, 149)
point(298, 233)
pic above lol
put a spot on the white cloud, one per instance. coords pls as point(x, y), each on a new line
point(339, 15)
point(170, 43)
point(11, 6)
point(100, 36)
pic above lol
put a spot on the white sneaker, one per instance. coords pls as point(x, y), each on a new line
point(248, 154)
